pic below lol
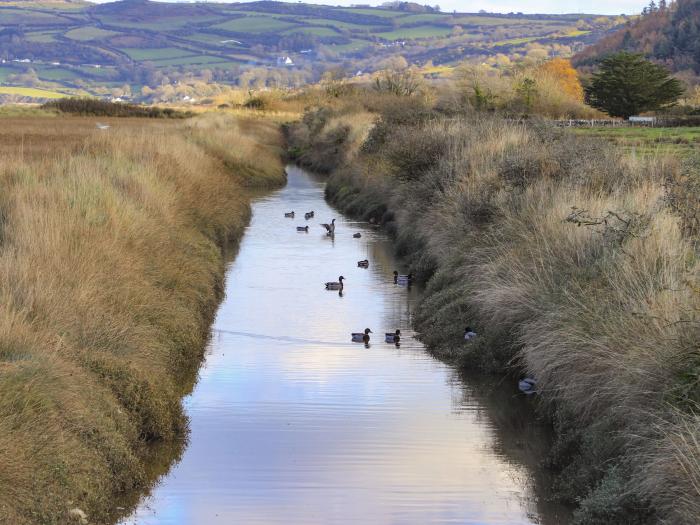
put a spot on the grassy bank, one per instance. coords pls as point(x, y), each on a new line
point(111, 267)
point(576, 264)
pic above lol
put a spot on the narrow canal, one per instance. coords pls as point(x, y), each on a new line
point(291, 423)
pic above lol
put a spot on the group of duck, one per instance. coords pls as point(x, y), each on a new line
point(526, 385)
point(403, 280)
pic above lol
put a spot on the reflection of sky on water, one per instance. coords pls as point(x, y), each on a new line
point(290, 423)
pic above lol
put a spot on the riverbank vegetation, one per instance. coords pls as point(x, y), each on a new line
point(111, 267)
point(575, 263)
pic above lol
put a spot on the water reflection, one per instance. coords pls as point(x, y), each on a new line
point(292, 423)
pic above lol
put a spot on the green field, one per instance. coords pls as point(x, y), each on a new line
point(383, 13)
point(159, 53)
point(317, 31)
point(649, 140)
point(188, 60)
point(30, 92)
point(6, 72)
point(340, 24)
point(44, 37)
point(409, 33)
point(56, 74)
point(88, 33)
point(255, 24)
point(29, 17)
point(417, 19)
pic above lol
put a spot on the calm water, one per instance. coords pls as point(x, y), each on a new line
point(291, 423)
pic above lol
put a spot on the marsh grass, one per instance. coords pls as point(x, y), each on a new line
point(575, 263)
point(110, 272)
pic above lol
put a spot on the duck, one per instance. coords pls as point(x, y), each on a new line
point(336, 285)
point(402, 279)
point(469, 334)
point(330, 228)
point(393, 337)
point(363, 264)
point(357, 236)
point(289, 214)
point(303, 229)
point(361, 337)
point(527, 386)
point(309, 215)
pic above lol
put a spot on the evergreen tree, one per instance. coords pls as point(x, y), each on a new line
point(627, 84)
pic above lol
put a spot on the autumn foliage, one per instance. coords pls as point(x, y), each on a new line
point(566, 77)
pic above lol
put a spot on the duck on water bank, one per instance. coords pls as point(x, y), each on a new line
point(363, 264)
point(330, 228)
point(336, 285)
point(528, 386)
point(303, 229)
point(289, 215)
point(393, 337)
point(361, 337)
point(469, 334)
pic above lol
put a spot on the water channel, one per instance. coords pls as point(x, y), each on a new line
point(292, 423)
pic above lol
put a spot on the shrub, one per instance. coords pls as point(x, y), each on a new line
point(102, 108)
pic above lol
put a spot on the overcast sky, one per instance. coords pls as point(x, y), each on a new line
point(608, 7)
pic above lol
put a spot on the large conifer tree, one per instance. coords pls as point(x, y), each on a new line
point(626, 84)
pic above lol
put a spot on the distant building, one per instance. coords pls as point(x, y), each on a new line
point(285, 61)
point(642, 121)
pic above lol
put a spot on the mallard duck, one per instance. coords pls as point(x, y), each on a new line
point(393, 337)
point(303, 229)
point(289, 215)
point(361, 338)
point(527, 386)
point(402, 279)
point(363, 264)
point(357, 236)
point(469, 334)
point(336, 285)
point(330, 228)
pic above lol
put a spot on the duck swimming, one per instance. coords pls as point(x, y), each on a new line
point(309, 215)
point(330, 228)
point(336, 285)
point(361, 338)
point(357, 236)
point(303, 229)
point(393, 337)
point(289, 215)
point(363, 264)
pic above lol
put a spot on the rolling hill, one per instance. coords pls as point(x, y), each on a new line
point(122, 47)
point(668, 33)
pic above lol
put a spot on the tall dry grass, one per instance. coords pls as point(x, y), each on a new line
point(577, 265)
point(110, 270)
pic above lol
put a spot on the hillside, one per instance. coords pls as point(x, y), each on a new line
point(120, 48)
point(668, 33)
